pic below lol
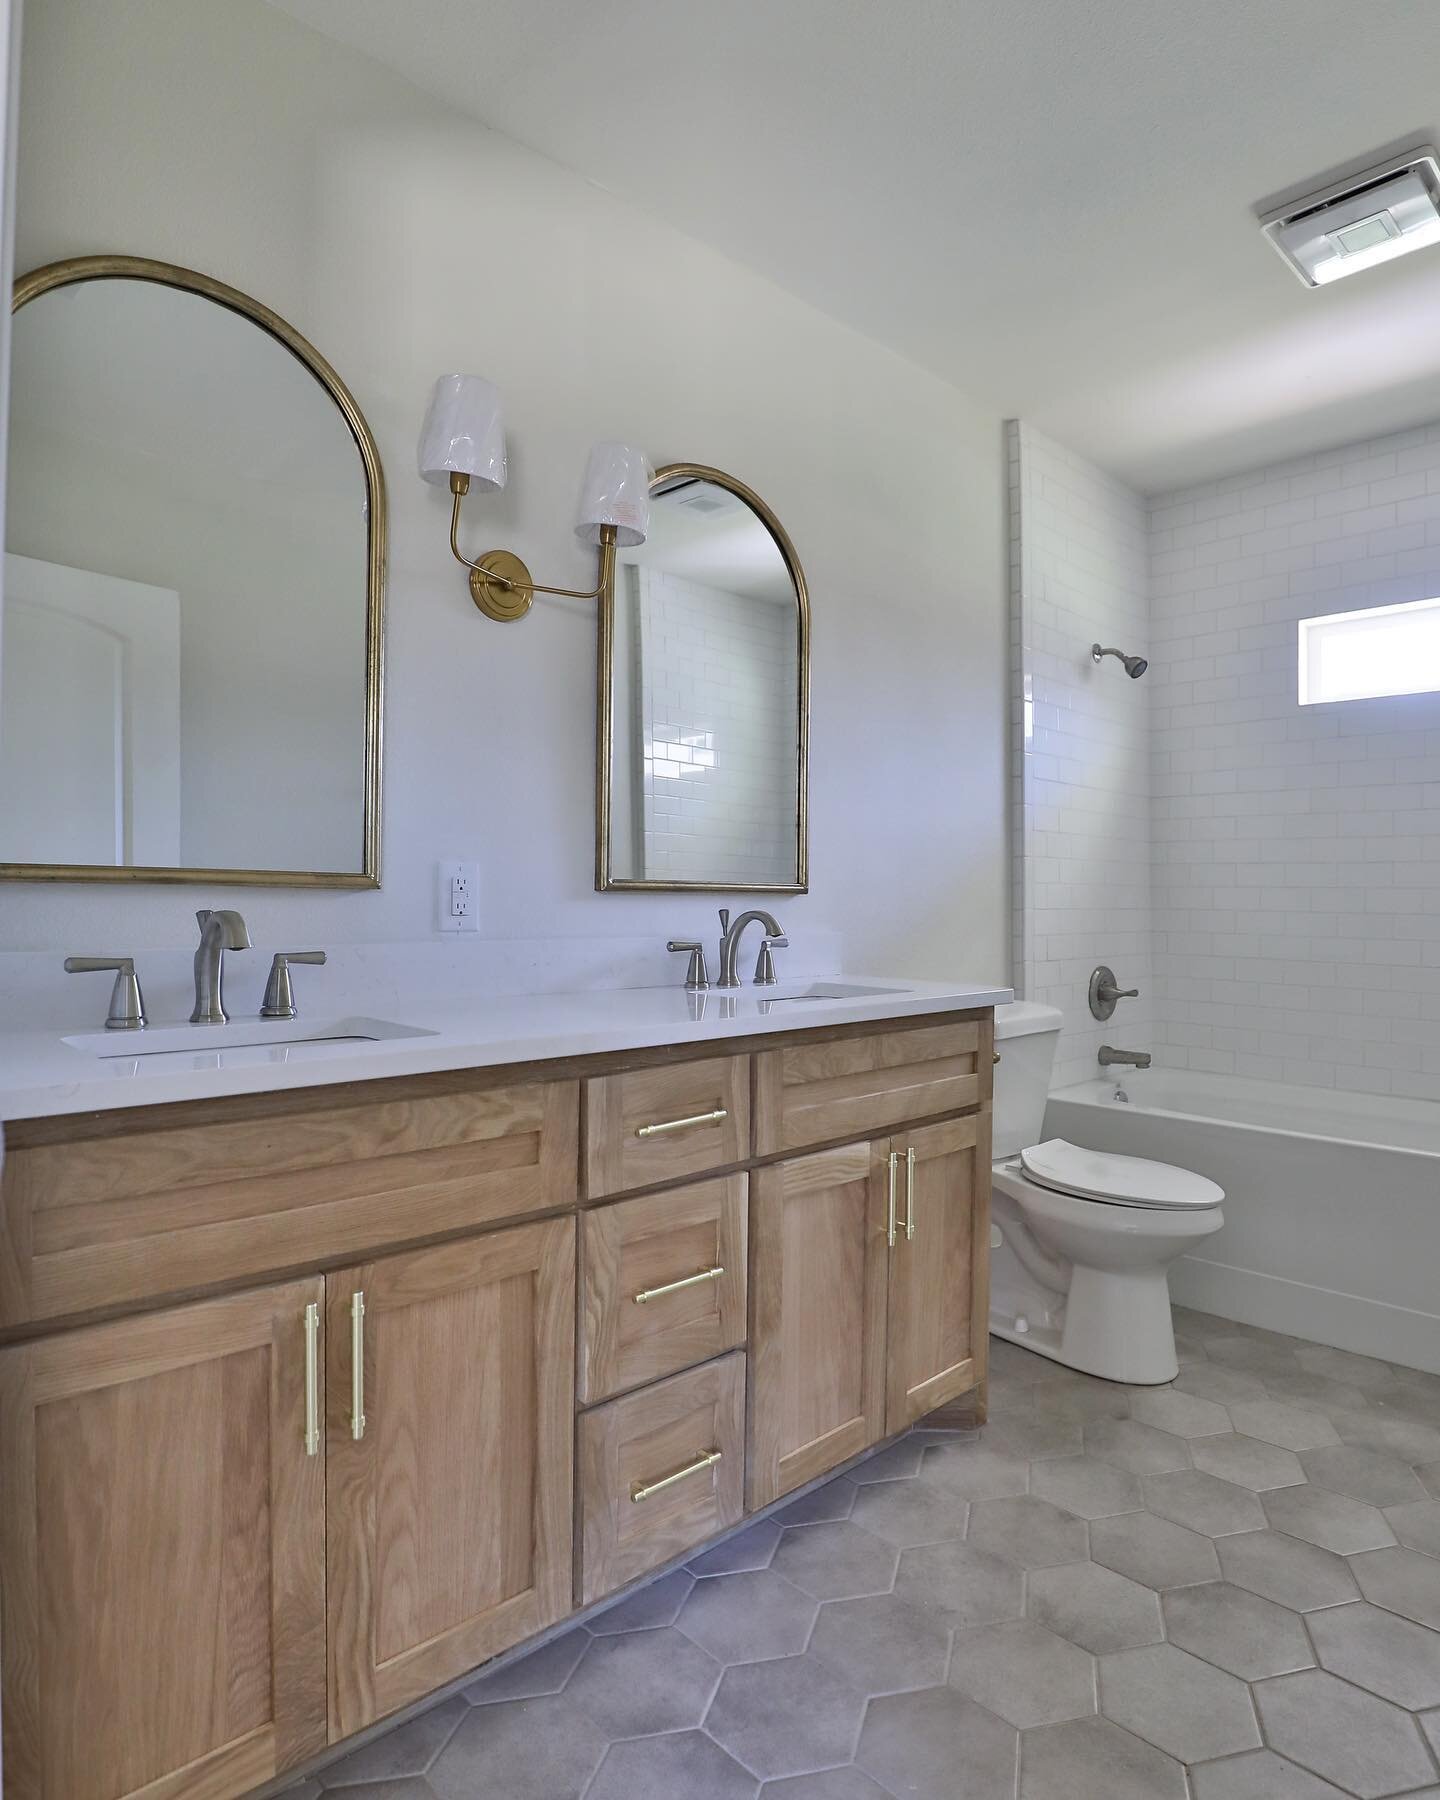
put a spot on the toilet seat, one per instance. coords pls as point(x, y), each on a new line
point(1100, 1175)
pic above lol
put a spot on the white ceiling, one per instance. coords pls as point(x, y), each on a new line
point(1049, 202)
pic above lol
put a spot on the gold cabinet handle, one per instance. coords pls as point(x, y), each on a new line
point(647, 1488)
point(994, 1057)
point(890, 1207)
point(710, 1118)
point(910, 1194)
point(357, 1365)
point(312, 1379)
point(685, 1281)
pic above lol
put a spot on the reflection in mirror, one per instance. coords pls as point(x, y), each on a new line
point(707, 679)
point(193, 556)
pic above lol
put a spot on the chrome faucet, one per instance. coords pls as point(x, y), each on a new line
point(1135, 1059)
point(219, 932)
point(730, 936)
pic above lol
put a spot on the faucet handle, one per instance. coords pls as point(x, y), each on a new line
point(279, 1001)
point(127, 1004)
point(697, 976)
point(765, 962)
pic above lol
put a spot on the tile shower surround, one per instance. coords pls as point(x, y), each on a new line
point(1268, 874)
point(1108, 1593)
point(1080, 746)
point(1297, 850)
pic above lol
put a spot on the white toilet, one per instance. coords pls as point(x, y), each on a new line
point(1081, 1240)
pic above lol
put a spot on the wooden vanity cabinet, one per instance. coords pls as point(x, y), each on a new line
point(162, 1542)
point(448, 1461)
point(236, 1529)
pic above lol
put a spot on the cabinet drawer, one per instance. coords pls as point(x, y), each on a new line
point(659, 1471)
point(855, 1087)
point(654, 1125)
point(662, 1284)
point(106, 1221)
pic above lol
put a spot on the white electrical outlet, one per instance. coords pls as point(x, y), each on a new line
point(457, 896)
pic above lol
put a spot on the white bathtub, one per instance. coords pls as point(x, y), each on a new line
point(1332, 1201)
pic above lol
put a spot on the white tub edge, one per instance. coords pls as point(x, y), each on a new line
point(1319, 1315)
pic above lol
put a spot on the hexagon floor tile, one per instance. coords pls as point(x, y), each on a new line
point(1239, 1631)
point(1024, 1672)
point(1355, 1740)
point(1095, 1757)
point(1106, 1592)
point(1178, 1703)
point(787, 1717)
point(881, 1644)
point(938, 1745)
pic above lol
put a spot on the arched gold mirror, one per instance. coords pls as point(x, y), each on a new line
point(703, 716)
point(194, 587)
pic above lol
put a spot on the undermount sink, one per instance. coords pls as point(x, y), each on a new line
point(239, 1034)
point(832, 990)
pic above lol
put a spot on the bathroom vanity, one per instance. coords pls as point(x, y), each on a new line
point(316, 1397)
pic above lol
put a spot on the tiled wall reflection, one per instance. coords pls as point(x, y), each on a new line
point(716, 690)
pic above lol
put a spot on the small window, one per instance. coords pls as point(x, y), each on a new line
point(1364, 655)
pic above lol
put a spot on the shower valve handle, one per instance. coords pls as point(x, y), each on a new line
point(1105, 991)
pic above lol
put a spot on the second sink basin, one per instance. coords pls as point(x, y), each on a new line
point(831, 990)
point(239, 1034)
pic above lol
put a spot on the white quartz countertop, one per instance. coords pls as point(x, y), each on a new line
point(47, 1073)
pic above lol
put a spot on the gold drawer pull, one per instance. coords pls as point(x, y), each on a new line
point(685, 1281)
point(710, 1118)
point(890, 1200)
point(910, 1194)
point(646, 1489)
point(312, 1379)
point(357, 1365)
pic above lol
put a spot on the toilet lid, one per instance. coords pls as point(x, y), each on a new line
point(1124, 1180)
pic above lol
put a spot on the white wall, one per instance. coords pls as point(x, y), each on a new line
point(1080, 776)
point(1297, 879)
point(404, 240)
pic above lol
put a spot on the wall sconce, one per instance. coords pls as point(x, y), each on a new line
point(463, 442)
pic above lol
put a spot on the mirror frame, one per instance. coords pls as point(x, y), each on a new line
point(606, 881)
point(77, 269)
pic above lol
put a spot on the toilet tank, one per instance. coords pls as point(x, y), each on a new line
point(1026, 1034)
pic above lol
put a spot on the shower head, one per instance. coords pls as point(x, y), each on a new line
point(1135, 666)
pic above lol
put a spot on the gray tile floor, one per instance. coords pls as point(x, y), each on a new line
point(1227, 1589)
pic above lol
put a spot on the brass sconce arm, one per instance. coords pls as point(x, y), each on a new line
point(501, 585)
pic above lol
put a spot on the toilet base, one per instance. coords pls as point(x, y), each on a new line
point(1115, 1325)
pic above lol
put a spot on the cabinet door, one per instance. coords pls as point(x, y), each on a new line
point(450, 1524)
point(817, 1323)
point(162, 1537)
point(939, 1306)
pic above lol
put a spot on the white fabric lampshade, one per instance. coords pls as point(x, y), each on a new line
point(464, 433)
point(616, 491)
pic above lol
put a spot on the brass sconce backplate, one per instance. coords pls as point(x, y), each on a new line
point(501, 587)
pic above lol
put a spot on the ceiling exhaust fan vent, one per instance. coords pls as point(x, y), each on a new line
point(1369, 218)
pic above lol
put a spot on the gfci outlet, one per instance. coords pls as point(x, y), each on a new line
point(457, 896)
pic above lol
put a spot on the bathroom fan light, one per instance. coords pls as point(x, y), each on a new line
point(1369, 218)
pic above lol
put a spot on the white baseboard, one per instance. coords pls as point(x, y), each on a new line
point(1348, 1321)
